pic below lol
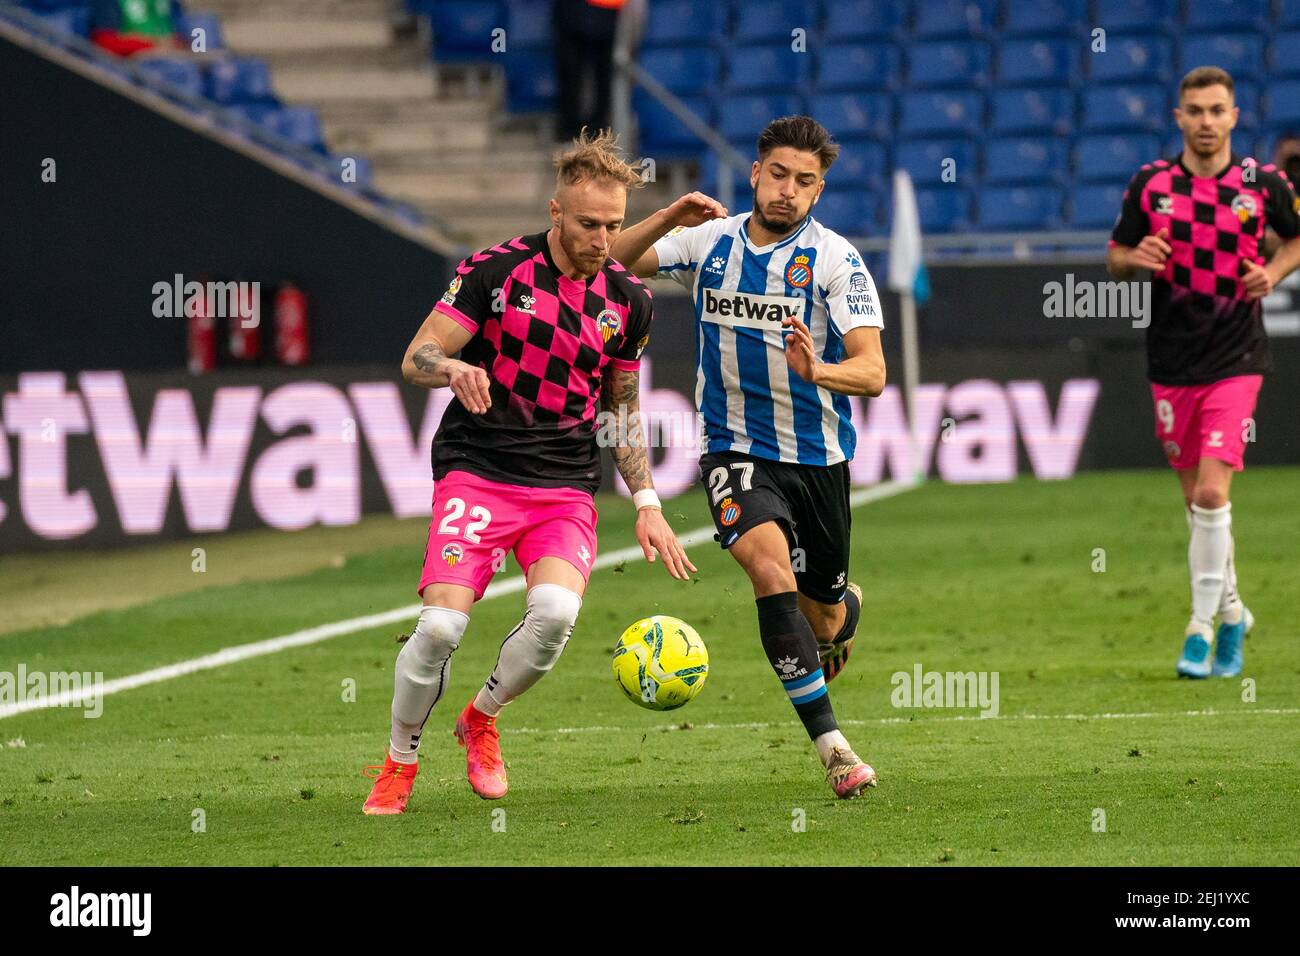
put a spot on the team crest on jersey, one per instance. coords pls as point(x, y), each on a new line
point(729, 513)
point(1243, 204)
point(452, 553)
point(609, 323)
point(449, 297)
point(798, 274)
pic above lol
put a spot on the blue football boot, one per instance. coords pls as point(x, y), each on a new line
point(1228, 652)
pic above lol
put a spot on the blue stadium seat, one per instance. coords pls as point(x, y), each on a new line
point(1226, 14)
point(684, 22)
point(954, 63)
point(1132, 59)
point(259, 114)
point(709, 179)
point(952, 18)
point(240, 80)
point(1135, 108)
point(1283, 103)
point(1046, 111)
point(775, 67)
point(1286, 54)
point(1010, 208)
point(661, 132)
point(858, 66)
point(1246, 96)
point(861, 20)
point(1096, 206)
point(1241, 54)
point(68, 19)
point(528, 23)
point(941, 113)
point(924, 159)
point(1288, 14)
point(1037, 62)
point(463, 30)
point(1043, 17)
point(742, 118)
point(1135, 15)
point(530, 81)
point(184, 76)
point(849, 114)
point(684, 70)
point(209, 23)
point(1113, 158)
point(850, 212)
point(301, 124)
point(943, 208)
point(771, 21)
point(1031, 160)
point(861, 162)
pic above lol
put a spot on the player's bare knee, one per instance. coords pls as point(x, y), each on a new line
point(1210, 496)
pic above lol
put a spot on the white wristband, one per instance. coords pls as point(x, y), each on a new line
point(646, 498)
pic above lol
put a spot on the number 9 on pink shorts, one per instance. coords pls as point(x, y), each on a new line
point(477, 522)
point(1206, 421)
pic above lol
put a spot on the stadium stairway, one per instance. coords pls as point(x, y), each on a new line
point(436, 135)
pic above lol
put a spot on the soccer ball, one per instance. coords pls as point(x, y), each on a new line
point(660, 663)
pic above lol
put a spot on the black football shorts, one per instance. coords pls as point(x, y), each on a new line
point(809, 502)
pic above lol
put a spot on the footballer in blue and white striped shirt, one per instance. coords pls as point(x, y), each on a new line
point(787, 326)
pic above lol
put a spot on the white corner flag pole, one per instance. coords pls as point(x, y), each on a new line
point(904, 264)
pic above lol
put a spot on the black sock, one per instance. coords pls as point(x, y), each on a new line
point(852, 611)
point(791, 649)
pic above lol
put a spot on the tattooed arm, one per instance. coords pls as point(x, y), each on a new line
point(428, 362)
point(620, 393)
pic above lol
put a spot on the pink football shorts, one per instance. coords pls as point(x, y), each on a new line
point(1210, 421)
point(477, 522)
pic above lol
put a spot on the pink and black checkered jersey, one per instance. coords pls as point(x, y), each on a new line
point(1203, 327)
point(545, 341)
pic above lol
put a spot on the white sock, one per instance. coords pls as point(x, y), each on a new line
point(827, 742)
point(1230, 607)
point(532, 648)
point(1207, 559)
point(422, 673)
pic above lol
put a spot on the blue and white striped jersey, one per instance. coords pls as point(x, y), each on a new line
point(750, 399)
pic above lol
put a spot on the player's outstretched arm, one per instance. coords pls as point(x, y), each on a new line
point(428, 362)
point(862, 371)
point(634, 246)
point(620, 395)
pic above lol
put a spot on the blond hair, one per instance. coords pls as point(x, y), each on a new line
point(594, 157)
point(1204, 76)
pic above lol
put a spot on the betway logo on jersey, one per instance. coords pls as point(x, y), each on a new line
point(748, 310)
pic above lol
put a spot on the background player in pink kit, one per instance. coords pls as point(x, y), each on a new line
point(547, 326)
point(1197, 222)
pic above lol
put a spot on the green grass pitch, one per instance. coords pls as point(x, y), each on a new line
point(1093, 727)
